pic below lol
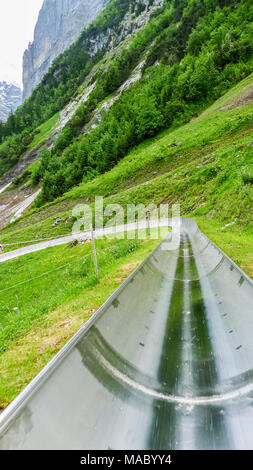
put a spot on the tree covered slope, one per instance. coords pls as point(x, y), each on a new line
point(60, 85)
point(192, 52)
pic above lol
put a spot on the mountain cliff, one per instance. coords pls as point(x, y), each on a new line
point(10, 99)
point(59, 24)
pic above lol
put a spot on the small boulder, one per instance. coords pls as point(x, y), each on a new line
point(68, 220)
point(73, 243)
point(57, 220)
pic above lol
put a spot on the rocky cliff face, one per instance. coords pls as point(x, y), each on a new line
point(59, 24)
point(136, 17)
point(10, 99)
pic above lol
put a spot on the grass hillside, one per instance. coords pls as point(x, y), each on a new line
point(205, 165)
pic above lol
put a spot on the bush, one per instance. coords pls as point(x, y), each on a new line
point(247, 175)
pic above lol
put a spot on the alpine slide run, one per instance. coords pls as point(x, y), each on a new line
point(165, 363)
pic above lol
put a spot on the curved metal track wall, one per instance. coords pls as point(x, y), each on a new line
point(165, 363)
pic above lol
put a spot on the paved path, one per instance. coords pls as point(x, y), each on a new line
point(83, 236)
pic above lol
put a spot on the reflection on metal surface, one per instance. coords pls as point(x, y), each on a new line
point(166, 363)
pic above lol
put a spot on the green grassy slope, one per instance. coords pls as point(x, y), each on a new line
point(206, 165)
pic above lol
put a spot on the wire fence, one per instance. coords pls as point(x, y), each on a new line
point(43, 274)
point(79, 238)
point(56, 269)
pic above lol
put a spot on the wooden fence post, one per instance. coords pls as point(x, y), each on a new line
point(94, 251)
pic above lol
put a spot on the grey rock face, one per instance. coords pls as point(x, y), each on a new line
point(10, 99)
point(59, 24)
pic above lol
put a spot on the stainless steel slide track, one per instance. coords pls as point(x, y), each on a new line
point(166, 363)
